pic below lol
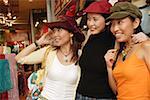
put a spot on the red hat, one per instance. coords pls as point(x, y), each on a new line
point(102, 6)
point(68, 22)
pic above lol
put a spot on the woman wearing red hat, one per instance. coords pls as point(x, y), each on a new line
point(61, 74)
point(93, 83)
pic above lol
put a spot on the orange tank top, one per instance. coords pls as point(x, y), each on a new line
point(133, 79)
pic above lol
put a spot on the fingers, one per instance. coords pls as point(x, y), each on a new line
point(52, 41)
point(139, 37)
point(110, 57)
point(136, 38)
point(89, 32)
point(50, 31)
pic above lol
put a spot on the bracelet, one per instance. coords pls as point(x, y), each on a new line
point(38, 46)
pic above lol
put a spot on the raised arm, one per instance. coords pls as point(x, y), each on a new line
point(26, 51)
point(139, 37)
point(45, 39)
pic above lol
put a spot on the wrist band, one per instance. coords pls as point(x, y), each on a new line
point(36, 45)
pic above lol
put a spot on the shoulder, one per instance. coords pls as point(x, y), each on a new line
point(145, 48)
point(145, 45)
point(47, 48)
point(44, 48)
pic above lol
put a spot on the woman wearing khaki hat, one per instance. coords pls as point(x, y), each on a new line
point(94, 84)
point(61, 74)
point(129, 65)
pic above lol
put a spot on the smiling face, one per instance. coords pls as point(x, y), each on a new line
point(61, 36)
point(95, 22)
point(123, 29)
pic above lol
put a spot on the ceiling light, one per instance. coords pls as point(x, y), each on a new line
point(30, 0)
point(44, 20)
point(14, 17)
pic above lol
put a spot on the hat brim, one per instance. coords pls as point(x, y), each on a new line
point(57, 24)
point(119, 15)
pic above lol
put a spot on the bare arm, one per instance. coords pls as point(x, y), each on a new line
point(111, 81)
point(146, 47)
point(45, 39)
point(109, 58)
point(26, 51)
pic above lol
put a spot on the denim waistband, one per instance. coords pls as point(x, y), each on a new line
point(81, 97)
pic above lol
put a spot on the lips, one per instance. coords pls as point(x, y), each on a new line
point(93, 30)
point(118, 35)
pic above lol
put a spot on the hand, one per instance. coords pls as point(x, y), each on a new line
point(46, 38)
point(139, 37)
point(110, 57)
point(89, 32)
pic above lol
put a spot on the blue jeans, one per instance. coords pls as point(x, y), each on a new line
point(81, 97)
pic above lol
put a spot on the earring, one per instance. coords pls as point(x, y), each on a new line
point(71, 35)
point(71, 41)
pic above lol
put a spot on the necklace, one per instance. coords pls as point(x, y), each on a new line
point(125, 51)
point(66, 56)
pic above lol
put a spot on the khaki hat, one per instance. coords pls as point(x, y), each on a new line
point(124, 9)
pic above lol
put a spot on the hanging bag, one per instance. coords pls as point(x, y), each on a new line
point(42, 73)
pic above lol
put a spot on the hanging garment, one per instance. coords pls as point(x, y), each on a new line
point(13, 94)
point(5, 80)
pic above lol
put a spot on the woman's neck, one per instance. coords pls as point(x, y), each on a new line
point(65, 54)
point(66, 48)
point(129, 44)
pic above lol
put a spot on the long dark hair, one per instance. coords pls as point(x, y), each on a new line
point(122, 44)
point(76, 45)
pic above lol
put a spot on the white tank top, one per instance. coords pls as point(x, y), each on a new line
point(60, 81)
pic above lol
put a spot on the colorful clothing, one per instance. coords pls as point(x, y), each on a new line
point(5, 79)
point(133, 79)
point(61, 80)
point(33, 87)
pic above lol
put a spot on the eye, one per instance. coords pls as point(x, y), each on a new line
point(120, 21)
point(95, 19)
point(88, 19)
point(60, 29)
point(55, 29)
